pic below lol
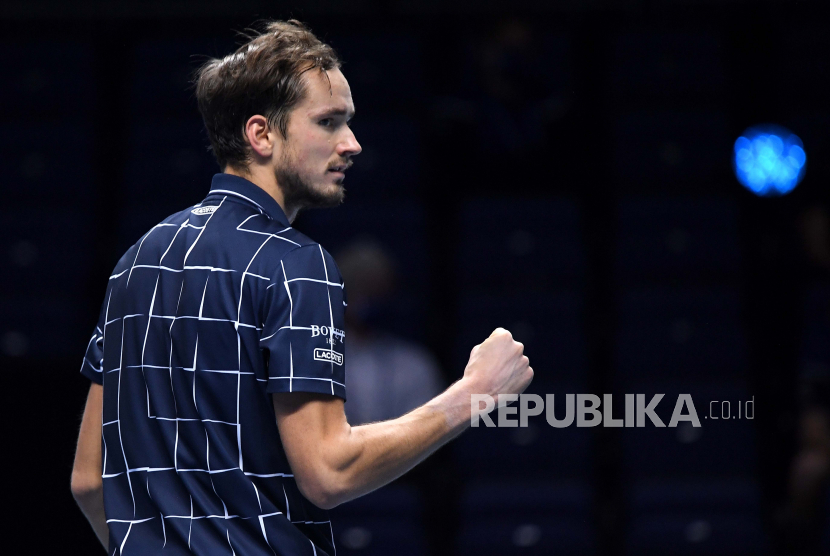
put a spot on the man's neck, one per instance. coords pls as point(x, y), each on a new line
point(263, 177)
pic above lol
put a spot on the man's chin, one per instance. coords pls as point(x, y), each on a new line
point(301, 195)
point(339, 199)
point(332, 197)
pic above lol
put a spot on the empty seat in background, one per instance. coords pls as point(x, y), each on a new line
point(497, 101)
point(815, 349)
point(168, 163)
point(803, 49)
point(390, 163)
point(386, 521)
point(47, 80)
point(525, 517)
point(682, 148)
point(692, 490)
point(47, 249)
point(816, 304)
point(679, 333)
point(656, 66)
point(385, 72)
point(677, 240)
point(733, 495)
point(43, 325)
point(509, 243)
point(697, 534)
point(537, 451)
point(50, 173)
point(550, 325)
point(161, 83)
point(724, 446)
point(517, 63)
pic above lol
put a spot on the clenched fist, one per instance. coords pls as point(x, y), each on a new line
point(498, 366)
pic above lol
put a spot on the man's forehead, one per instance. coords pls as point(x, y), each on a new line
point(329, 91)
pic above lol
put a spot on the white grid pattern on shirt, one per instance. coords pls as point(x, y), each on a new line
point(101, 336)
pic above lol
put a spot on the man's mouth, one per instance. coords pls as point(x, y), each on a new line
point(340, 168)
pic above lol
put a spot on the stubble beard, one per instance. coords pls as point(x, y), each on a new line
point(299, 194)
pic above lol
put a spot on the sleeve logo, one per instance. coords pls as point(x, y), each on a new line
point(328, 355)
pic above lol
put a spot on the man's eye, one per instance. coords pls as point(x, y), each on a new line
point(326, 122)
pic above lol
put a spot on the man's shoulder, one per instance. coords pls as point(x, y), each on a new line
point(275, 235)
point(274, 247)
point(150, 237)
point(237, 234)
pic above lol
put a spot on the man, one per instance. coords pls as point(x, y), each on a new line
point(217, 364)
point(388, 375)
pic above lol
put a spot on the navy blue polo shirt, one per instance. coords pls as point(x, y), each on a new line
point(210, 312)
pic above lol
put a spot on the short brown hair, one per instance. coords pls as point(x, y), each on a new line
point(263, 76)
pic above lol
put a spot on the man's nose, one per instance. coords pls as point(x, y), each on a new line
point(349, 146)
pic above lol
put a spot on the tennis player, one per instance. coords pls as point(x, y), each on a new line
point(215, 418)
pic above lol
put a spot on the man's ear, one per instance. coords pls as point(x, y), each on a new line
point(260, 137)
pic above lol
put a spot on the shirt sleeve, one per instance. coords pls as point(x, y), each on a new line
point(303, 333)
point(93, 365)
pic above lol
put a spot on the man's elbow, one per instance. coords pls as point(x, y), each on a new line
point(322, 490)
point(323, 500)
point(87, 488)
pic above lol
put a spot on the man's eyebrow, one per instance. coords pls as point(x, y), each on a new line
point(335, 112)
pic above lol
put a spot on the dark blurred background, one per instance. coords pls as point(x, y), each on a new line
point(562, 169)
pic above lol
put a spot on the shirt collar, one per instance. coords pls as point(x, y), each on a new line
point(249, 192)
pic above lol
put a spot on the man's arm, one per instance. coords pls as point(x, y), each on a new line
point(87, 484)
point(334, 462)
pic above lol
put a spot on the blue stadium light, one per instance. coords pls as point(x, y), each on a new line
point(769, 160)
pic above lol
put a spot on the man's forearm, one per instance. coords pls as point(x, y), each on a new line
point(91, 503)
point(334, 462)
point(384, 451)
point(87, 487)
